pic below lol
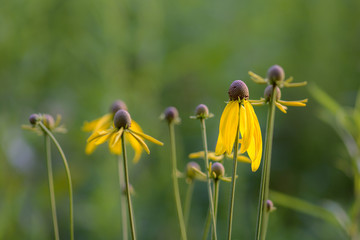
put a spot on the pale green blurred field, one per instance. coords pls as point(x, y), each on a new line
point(76, 57)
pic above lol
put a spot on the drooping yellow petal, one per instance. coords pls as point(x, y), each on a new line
point(228, 126)
point(101, 123)
point(255, 148)
point(281, 107)
point(90, 148)
point(116, 137)
point(246, 126)
point(98, 134)
point(115, 144)
point(147, 137)
point(136, 146)
point(104, 138)
point(140, 141)
point(300, 103)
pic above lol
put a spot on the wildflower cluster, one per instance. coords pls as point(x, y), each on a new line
point(239, 139)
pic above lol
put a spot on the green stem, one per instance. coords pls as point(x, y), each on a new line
point(68, 175)
point(175, 182)
point(51, 186)
point(211, 203)
point(207, 226)
point(216, 198)
point(122, 199)
point(233, 180)
point(132, 226)
point(188, 198)
point(262, 217)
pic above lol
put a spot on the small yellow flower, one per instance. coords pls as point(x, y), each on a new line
point(239, 115)
point(122, 126)
point(106, 122)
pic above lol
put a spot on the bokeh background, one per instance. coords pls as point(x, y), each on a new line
point(76, 57)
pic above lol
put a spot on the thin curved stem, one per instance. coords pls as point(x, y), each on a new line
point(122, 199)
point(233, 180)
point(188, 198)
point(51, 186)
point(132, 225)
point(262, 217)
point(68, 175)
point(211, 203)
point(175, 182)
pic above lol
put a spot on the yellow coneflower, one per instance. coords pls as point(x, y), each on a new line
point(122, 125)
point(104, 123)
point(239, 115)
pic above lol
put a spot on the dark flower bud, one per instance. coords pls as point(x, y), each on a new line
point(268, 91)
point(122, 119)
point(238, 89)
point(202, 111)
point(33, 118)
point(190, 172)
point(171, 114)
point(217, 169)
point(275, 74)
point(48, 121)
point(118, 105)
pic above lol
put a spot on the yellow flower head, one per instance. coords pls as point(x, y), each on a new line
point(122, 125)
point(106, 122)
point(239, 115)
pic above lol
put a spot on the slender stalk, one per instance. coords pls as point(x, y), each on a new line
point(122, 199)
point(211, 203)
point(232, 196)
point(207, 226)
point(188, 198)
point(132, 226)
point(216, 198)
point(175, 182)
point(68, 175)
point(51, 186)
point(262, 217)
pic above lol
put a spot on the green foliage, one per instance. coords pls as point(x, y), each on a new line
point(76, 57)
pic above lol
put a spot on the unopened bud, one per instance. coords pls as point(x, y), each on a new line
point(275, 74)
point(238, 90)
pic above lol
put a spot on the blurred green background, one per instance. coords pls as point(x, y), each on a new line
point(76, 57)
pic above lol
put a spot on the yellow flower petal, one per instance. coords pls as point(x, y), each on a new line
point(139, 140)
point(255, 148)
point(300, 103)
point(281, 107)
point(147, 137)
point(115, 147)
point(90, 148)
point(98, 134)
point(136, 146)
point(211, 155)
point(116, 137)
point(104, 138)
point(101, 123)
point(242, 158)
point(228, 126)
point(246, 126)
